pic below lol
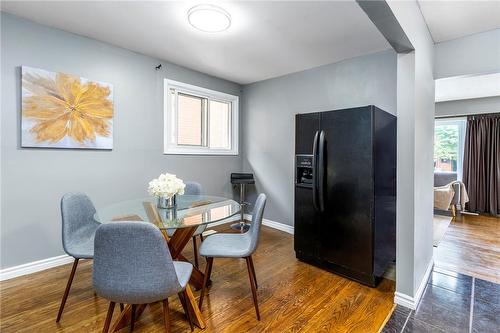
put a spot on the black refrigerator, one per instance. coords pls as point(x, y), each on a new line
point(345, 191)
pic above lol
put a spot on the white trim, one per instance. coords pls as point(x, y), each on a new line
point(41, 265)
point(404, 300)
point(461, 123)
point(269, 223)
point(170, 146)
point(412, 302)
point(224, 221)
point(33, 267)
point(273, 224)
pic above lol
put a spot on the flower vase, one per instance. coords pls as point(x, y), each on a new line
point(167, 202)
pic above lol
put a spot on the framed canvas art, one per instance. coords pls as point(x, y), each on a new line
point(65, 111)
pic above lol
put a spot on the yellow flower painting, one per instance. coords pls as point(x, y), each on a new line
point(65, 111)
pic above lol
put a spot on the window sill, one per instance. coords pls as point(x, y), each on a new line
point(201, 153)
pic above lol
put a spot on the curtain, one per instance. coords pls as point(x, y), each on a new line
point(481, 167)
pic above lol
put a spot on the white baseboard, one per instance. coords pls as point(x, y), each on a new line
point(33, 267)
point(228, 220)
point(41, 265)
point(412, 302)
point(273, 224)
point(404, 300)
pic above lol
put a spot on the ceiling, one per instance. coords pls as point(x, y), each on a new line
point(453, 19)
point(266, 39)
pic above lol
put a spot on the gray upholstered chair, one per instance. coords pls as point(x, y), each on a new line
point(442, 178)
point(193, 188)
point(236, 246)
point(78, 230)
point(133, 265)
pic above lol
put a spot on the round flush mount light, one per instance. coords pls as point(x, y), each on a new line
point(209, 18)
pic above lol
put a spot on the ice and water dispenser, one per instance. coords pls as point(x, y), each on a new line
point(304, 170)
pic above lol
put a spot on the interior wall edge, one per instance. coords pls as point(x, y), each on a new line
point(413, 301)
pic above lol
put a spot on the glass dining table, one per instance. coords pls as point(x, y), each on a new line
point(190, 212)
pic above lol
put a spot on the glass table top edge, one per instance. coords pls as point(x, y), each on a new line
point(191, 211)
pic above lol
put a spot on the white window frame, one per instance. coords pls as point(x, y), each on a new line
point(461, 122)
point(170, 120)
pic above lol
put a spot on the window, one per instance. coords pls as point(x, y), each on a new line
point(449, 138)
point(199, 121)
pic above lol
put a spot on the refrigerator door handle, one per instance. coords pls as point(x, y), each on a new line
point(315, 172)
point(321, 171)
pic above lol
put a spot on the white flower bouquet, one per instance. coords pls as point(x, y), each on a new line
point(166, 186)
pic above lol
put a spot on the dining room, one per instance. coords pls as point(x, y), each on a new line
point(232, 166)
point(142, 214)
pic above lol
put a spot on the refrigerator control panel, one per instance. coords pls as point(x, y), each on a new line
point(304, 170)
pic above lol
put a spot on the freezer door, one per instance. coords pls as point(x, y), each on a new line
point(306, 232)
point(306, 126)
point(345, 226)
point(306, 215)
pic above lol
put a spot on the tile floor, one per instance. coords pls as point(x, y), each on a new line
point(452, 302)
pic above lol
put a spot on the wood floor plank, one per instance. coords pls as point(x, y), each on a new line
point(293, 297)
point(471, 246)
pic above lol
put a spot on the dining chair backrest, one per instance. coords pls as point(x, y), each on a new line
point(258, 212)
point(132, 263)
point(192, 188)
point(77, 213)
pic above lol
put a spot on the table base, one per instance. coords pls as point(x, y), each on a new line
point(176, 244)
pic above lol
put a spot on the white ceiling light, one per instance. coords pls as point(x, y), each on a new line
point(209, 18)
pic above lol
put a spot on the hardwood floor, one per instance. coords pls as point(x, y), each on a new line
point(471, 246)
point(293, 297)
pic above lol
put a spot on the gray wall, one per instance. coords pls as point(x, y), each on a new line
point(270, 106)
point(33, 180)
point(478, 53)
point(475, 54)
point(415, 103)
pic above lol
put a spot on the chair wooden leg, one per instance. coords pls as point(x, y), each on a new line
point(166, 315)
point(208, 271)
point(195, 250)
point(193, 308)
point(132, 317)
point(109, 315)
point(182, 300)
point(182, 297)
point(251, 275)
point(121, 307)
point(453, 210)
point(253, 271)
point(66, 291)
point(201, 237)
point(123, 319)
